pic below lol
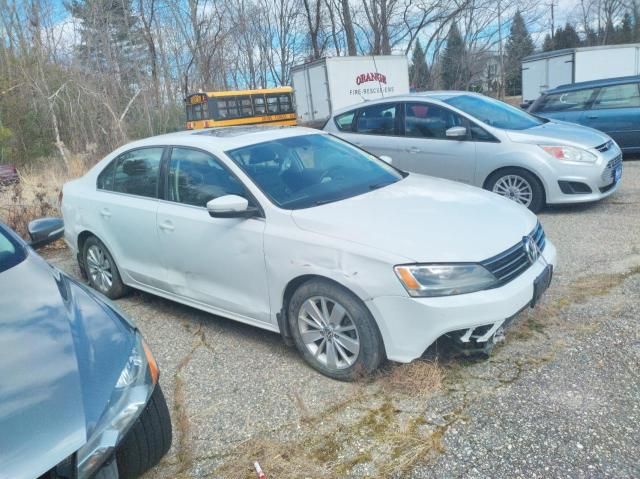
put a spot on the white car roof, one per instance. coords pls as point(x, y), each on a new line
point(224, 138)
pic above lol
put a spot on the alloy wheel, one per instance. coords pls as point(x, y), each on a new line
point(328, 332)
point(99, 268)
point(515, 188)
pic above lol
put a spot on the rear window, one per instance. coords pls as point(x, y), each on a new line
point(11, 251)
point(137, 172)
point(618, 96)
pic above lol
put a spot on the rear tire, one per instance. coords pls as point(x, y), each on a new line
point(148, 439)
point(101, 270)
point(338, 337)
point(519, 185)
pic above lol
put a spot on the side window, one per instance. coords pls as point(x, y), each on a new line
point(480, 134)
point(258, 105)
point(245, 106)
point(272, 104)
point(196, 177)
point(285, 103)
point(227, 108)
point(344, 122)
point(618, 96)
point(137, 172)
point(378, 119)
point(105, 178)
point(567, 101)
point(424, 120)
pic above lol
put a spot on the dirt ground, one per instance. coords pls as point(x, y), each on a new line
point(559, 398)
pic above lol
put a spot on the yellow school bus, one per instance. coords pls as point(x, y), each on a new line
point(273, 106)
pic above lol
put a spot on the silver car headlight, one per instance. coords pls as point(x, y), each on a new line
point(428, 280)
point(130, 395)
point(569, 153)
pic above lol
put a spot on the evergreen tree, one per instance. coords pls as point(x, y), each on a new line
point(455, 74)
point(419, 70)
point(591, 37)
point(110, 37)
point(519, 45)
point(624, 33)
point(548, 43)
point(566, 37)
point(608, 36)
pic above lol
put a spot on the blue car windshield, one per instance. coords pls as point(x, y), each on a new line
point(11, 251)
point(310, 170)
point(494, 112)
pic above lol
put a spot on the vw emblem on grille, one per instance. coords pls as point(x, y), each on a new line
point(530, 248)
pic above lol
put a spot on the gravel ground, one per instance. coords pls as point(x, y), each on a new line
point(559, 398)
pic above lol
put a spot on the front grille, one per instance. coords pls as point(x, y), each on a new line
point(607, 174)
point(511, 263)
point(605, 146)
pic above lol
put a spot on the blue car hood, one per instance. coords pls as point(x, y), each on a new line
point(61, 354)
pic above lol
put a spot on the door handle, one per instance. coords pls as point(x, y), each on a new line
point(413, 149)
point(592, 117)
point(166, 226)
point(105, 213)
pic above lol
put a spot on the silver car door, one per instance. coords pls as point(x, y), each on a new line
point(436, 142)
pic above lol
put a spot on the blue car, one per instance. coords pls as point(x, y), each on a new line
point(79, 392)
point(611, 106)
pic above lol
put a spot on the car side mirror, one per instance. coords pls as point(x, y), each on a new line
point(231, 206)
point(44, 231)
point(386, 159)
point(456, 132)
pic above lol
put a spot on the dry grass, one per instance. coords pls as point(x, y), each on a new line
point(37, 193)
point(376, 436)
point(419, 377)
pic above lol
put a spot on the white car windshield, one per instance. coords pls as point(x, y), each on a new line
point(310, 170)
point(495, 113)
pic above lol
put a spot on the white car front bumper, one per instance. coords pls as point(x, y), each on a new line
point(410, 325)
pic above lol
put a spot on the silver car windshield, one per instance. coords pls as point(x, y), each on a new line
point(495, 113)
point(310, 170)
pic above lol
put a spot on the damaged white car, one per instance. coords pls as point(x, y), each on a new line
point(295, 231)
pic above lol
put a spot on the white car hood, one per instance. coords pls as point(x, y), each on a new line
point(560, 132)
point(424, 219)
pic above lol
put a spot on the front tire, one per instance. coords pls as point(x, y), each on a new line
point(102, 272)
point(519, 185)
point(334, 331)
point(148, 439)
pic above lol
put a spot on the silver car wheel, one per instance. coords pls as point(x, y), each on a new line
point(328, 332)
point(99, 268)
point(515, 188)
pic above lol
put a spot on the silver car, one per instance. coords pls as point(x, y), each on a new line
point(484, 142)
point(79, 390)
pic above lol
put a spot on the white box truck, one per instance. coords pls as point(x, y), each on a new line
point(546, 70)
point(326, 85)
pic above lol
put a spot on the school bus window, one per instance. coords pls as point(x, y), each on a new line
point(258, 105)
point(285, 103)
point(272, 104)
point(245, 106)
point(228, 108)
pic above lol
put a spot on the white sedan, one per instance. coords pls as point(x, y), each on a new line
point(295, 231)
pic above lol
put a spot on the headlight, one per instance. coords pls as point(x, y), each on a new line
point(569, 153)
point(130, 395)
point(444, 279)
